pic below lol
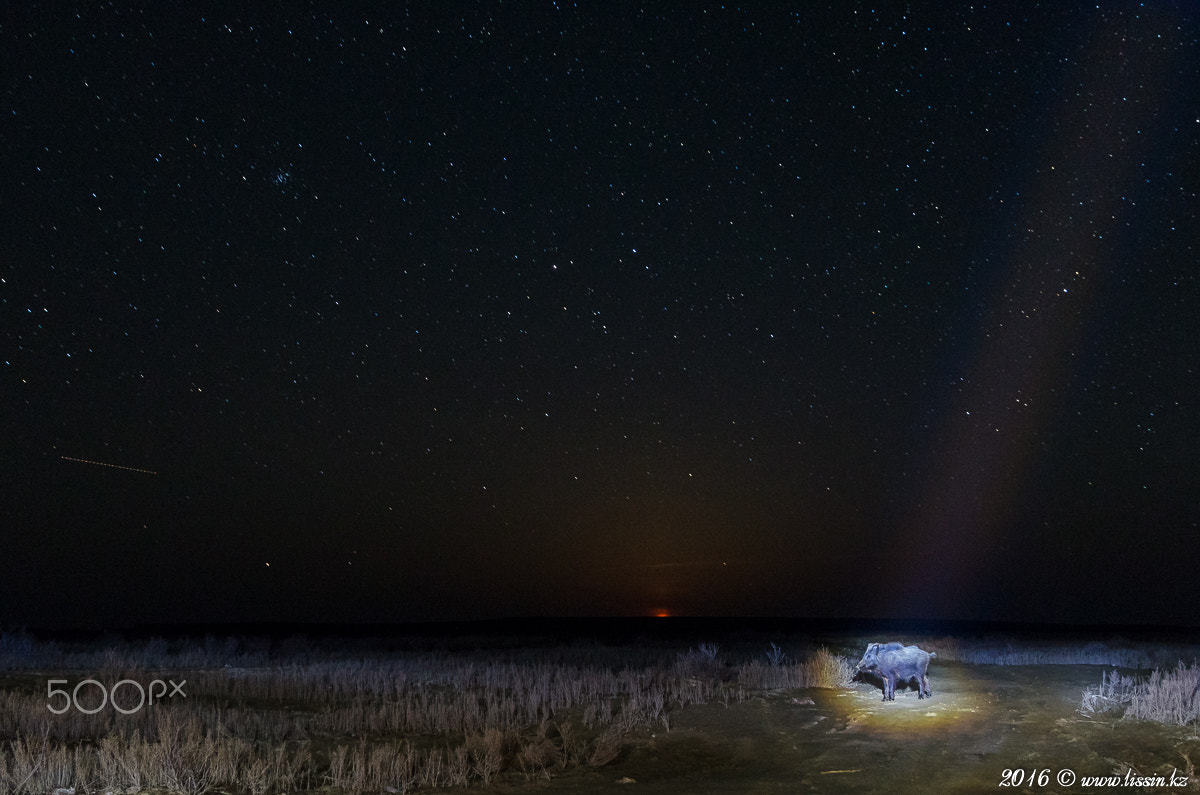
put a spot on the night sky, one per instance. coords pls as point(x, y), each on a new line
point(358, 313)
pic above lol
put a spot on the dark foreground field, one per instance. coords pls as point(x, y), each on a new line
point(696, 709)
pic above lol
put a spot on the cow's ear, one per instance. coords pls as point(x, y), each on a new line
point(872, 647)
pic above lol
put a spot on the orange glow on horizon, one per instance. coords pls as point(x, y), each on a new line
point(662, 613)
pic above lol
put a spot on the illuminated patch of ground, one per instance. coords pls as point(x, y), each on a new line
point(981, 721)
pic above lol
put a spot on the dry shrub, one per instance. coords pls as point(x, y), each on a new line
point(1114, 693)
point(538, 754)
point(606, 747)
point(433, 770)
point(1171, 696)
point(376, 768)
point(1168, 696)
point(574, 748)
point(487, 754)
point(700, 662)
point(458, 766)
point(821, 669)
point(824, 669)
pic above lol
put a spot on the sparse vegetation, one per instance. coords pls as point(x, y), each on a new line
point(263, 719)
point(1166, 696)
point(821, 669)
point(1008, 651)
point(1113, 694)
point(293, 715)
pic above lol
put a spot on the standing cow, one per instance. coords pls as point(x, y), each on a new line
point(895, 662)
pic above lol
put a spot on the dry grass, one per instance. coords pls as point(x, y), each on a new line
point(1165, 696)
point(821, 669)
point(1168, 696)
point(1113, 694)
point(263, 719)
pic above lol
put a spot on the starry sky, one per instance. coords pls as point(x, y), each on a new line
point(363, 312)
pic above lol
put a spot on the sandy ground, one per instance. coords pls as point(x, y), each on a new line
point(982, 721)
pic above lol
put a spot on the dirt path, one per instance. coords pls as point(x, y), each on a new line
point(980, 721)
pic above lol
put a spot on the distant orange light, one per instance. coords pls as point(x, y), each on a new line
point(662, 614)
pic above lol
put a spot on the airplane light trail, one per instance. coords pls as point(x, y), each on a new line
point(113, 466)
